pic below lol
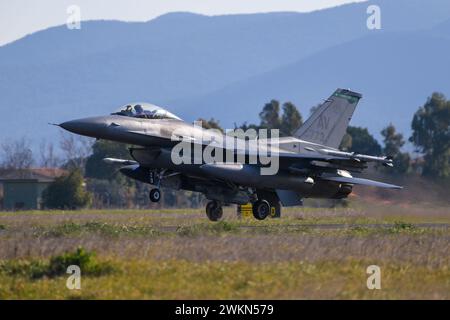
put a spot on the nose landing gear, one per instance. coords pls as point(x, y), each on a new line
point(214, 210)
point(155, 178)
point(155, 195)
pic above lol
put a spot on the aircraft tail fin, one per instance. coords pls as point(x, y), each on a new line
point(328, 123)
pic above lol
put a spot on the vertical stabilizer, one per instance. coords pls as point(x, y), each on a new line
point(328, 123)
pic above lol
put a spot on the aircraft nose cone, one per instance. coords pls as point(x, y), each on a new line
point(69, 125)
point(87, 126)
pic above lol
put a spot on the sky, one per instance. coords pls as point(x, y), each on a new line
point(21, 17)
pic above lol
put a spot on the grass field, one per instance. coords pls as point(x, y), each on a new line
point(179, 254)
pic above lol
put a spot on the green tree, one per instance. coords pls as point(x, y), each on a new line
point(360, 141)
point(346, 142)
point(111, 193)
point(431, 135)
point(96, 167)
point(253, 134)
point(270, 115)
point(246, 126)
point(291, 119)
point(210, 124)
point(393, 142)
point(109, 187)
point(66, 192)
point(288, 122)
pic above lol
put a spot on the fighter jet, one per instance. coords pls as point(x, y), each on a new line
point(169, 152)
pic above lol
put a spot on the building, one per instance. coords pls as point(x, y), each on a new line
point(22, 189)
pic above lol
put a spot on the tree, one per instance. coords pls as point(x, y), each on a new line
point(17, 154)
point(291, 119)
point(47, 155)
point(250, 131)
point(270, 118)
point(210, 124)
point(247, 126)
point(96, 167)
point(270, 115)
point(66, 192)
point(112, 193)
point(431, 135)
point(361, 141)
point(393, 142)
point(75, 149)
point(108, 186)
point(346, 142)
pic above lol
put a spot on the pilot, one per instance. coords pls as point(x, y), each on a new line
point(128, 110)
point(140, 113)
point(139, 110)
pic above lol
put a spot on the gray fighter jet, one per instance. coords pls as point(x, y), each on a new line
point(169, 152)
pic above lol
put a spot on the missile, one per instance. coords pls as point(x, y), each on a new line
point(119, 161)
point(357, 157)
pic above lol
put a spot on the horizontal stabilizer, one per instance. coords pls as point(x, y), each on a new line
point(361, 181)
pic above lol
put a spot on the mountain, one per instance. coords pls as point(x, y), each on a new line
point(396, 72)
point(187, 61)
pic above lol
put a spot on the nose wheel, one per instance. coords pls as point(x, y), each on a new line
point(155, 195)
point(214, 210)
point(155, 179)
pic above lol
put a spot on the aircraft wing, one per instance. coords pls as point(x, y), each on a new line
point(335, 158)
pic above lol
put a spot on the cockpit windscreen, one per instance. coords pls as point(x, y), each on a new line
point(145, 111)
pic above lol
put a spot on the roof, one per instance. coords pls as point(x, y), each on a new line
point(37, 174)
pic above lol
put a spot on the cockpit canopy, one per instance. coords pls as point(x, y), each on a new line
point(145, 111)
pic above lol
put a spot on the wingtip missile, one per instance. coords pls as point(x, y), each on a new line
point(119, 161)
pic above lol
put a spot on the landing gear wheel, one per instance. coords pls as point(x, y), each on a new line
point(214, 211)
point(261, 209)
point(155, 195)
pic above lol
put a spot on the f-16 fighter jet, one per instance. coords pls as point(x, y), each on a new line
point(236, 167)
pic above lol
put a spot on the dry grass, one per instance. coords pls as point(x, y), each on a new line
point(179, 254)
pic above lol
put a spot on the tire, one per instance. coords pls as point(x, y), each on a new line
point(261, 209)
point(155, 195)
point(214, 211)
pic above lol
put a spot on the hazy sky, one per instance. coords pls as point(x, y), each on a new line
point(21, 17)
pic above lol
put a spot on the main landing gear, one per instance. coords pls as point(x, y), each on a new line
point(261, 209)
point(214, 210)
point(267, 204)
